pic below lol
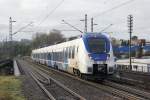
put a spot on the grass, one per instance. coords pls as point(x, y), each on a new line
point(10, 88)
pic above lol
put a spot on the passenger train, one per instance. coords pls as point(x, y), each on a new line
point(138, 65)
point(89, 55)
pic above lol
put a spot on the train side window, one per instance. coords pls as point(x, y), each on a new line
point(43, 55)
point(46, 55)
point(70, 52)
point(77, 49)
point(39, 55)
point(66, 52)
point(49, 56)
point(62, 55)
point(53, 56)
point(73, 51)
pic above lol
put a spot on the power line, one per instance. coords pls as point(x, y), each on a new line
point(22, 28)
point(113, 8)
point(51, 12)
point(72, 26)
point(106, 28)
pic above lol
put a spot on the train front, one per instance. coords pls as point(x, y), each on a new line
point(99, 55)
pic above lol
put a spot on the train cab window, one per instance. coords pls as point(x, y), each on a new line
point(97, 45)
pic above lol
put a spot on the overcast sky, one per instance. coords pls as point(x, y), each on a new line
point(45, 18)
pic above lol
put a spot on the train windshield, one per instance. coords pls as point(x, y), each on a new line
point(97, 45)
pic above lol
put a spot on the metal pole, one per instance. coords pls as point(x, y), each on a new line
point(91, 24)
point(10, 29)
point(85, 23)
point(130, 25)
point(10, 37)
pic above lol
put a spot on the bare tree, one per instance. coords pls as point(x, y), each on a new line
point(43, 39)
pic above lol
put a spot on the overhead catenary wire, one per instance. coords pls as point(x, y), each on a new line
point(22, 28)
point(100, 14)
point(51, 12)
point(113, 8)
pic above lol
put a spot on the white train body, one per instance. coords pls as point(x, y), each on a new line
point(89, 55)
point(140, 65)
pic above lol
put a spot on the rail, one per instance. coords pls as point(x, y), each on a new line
point(137, 92)
point(42, 87)
point(108, 89)
point(50, 79)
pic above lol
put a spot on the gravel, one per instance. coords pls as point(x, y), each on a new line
point(87, 91)
point(30, 89)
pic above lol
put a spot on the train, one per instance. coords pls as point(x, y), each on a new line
point(89, 56)
point(137, 64)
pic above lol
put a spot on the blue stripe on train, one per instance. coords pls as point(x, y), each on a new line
point(99, 57)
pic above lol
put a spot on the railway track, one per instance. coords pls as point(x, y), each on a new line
point(134, 91)
point(121, 93)
point(52, 87)
point(138, 83)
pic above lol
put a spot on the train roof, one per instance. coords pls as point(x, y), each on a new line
point(72, 41)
